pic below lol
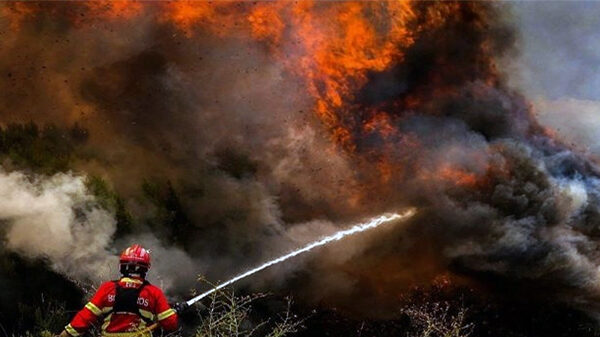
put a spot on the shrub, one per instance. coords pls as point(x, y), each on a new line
point(439, 319)
point(228, 315)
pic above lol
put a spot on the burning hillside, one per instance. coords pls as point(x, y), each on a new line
point(223, 134)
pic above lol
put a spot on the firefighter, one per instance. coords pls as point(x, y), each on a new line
point(129, 306)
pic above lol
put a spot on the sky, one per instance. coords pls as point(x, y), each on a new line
point(560, 48)
point(558, 66)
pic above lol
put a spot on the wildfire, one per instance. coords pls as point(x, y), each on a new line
point(406, 91)
point(332, 47)
point(16, 14)
point(114, 9)
point(460, 177)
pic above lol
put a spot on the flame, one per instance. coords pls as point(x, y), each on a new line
point(338, 58)
point(335, 45)
point(458, 176)
point(188, 15)
point(334, 48)
point(453, 176)
point(266, 23)
point(114, 9)
point(16, 13)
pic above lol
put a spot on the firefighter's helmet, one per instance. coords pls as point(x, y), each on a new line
point(135, 255)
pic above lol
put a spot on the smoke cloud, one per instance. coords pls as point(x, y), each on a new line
point(55, 218)
point(233, 142)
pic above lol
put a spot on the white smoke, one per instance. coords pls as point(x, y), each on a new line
point(575, 121)
point(57, 219)
point(171, 267)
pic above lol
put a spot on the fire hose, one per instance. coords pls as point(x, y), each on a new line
point(375, 222)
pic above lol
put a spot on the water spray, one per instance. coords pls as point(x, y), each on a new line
point(375, 222)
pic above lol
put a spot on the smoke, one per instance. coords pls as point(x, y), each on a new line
point(171, 268)
point(253, 138)
point(572, 120)
point(233, 150)
point(373, 223)
point(558, 46)
point(55, 218)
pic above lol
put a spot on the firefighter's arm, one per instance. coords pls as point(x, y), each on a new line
point(167, 317)
point(87, 316)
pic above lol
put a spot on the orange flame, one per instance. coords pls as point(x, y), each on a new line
point(114, 9)
point(16, 13)
point(333, 47)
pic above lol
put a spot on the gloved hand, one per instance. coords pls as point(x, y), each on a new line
point(64, 333)
point(180, 307)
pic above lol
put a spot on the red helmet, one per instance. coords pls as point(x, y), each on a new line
point(137, 255)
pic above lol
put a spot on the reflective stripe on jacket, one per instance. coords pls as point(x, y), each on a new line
point(152, 304)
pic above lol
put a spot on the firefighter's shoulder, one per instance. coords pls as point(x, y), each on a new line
point(154, 290)
point(104, 291)
point(106, 286)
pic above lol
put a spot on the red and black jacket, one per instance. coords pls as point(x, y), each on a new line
point(126, 305)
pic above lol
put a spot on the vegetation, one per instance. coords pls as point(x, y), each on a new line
point(228, 315)
point(45, 150)
point(439, 319)
point(111, 201)
point(168, 210)
point(51, 149)
point(48, 319)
